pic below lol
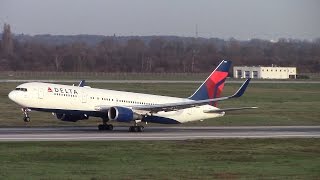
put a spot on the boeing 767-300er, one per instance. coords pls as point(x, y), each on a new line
point(73, 103)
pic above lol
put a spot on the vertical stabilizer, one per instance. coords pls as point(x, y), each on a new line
point(212, 87)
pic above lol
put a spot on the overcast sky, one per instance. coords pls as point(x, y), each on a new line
point(241, 19)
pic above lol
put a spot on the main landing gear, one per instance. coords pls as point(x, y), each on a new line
point(26, 117)
point(136, 127)
point(109, 127)
point(104, 126)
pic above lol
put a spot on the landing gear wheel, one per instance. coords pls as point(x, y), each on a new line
point(26, 119)
point(103, 127)
point(140, 128)
point(136, 128)
point(110, 127)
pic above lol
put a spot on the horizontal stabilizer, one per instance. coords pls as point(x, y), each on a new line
point(228, 109)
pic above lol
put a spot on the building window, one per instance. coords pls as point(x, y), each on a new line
point(239, 74)
point(247, 74)
point(255, 74)
point(292, 77)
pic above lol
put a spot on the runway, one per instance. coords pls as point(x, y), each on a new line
point(155, 133)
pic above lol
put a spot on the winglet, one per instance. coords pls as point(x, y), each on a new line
point(81, 84)
point(242, 89)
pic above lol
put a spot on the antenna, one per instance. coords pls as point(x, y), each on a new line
point(197, 33)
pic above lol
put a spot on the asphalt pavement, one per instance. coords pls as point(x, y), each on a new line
point(155, 133)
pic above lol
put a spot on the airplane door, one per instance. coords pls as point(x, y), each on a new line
point(84, 98)
point(40, 93)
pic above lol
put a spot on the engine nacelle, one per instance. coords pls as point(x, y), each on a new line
point(71, 117)
point(122, 114)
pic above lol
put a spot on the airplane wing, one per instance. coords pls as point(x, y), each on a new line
point(188, 104)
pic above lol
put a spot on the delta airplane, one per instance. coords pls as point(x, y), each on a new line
point(73, 103)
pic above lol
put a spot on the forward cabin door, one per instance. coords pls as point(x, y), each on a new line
point(84, 97)
point(40, 93)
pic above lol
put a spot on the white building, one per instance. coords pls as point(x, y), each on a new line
point(261, 72)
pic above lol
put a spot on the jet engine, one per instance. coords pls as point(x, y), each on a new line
point(122, 114)
point(71, 117)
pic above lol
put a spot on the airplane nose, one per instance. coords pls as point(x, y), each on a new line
point(11, 95)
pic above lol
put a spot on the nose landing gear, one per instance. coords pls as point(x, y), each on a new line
point(26, 117)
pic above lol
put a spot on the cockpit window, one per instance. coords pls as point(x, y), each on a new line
point(22, 89)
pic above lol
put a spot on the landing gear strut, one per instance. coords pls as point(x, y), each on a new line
point(26, 117)
point(104, 126)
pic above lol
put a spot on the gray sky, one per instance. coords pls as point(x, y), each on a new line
point(241, 19)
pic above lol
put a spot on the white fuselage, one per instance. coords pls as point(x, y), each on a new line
point(63, 97)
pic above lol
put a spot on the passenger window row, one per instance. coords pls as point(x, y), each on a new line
point(67, 95)
point(124, 101)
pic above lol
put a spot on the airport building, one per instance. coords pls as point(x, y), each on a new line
point(262, 72)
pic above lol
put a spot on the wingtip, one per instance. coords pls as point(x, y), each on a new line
point(82, 83)
point(242, 89)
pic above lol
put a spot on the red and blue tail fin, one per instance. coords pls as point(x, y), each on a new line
point(212, 87)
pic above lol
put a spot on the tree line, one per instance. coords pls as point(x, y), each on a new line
point(152, 54)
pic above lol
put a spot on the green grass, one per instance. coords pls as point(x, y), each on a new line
point(279, 104)
point(196, 159)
